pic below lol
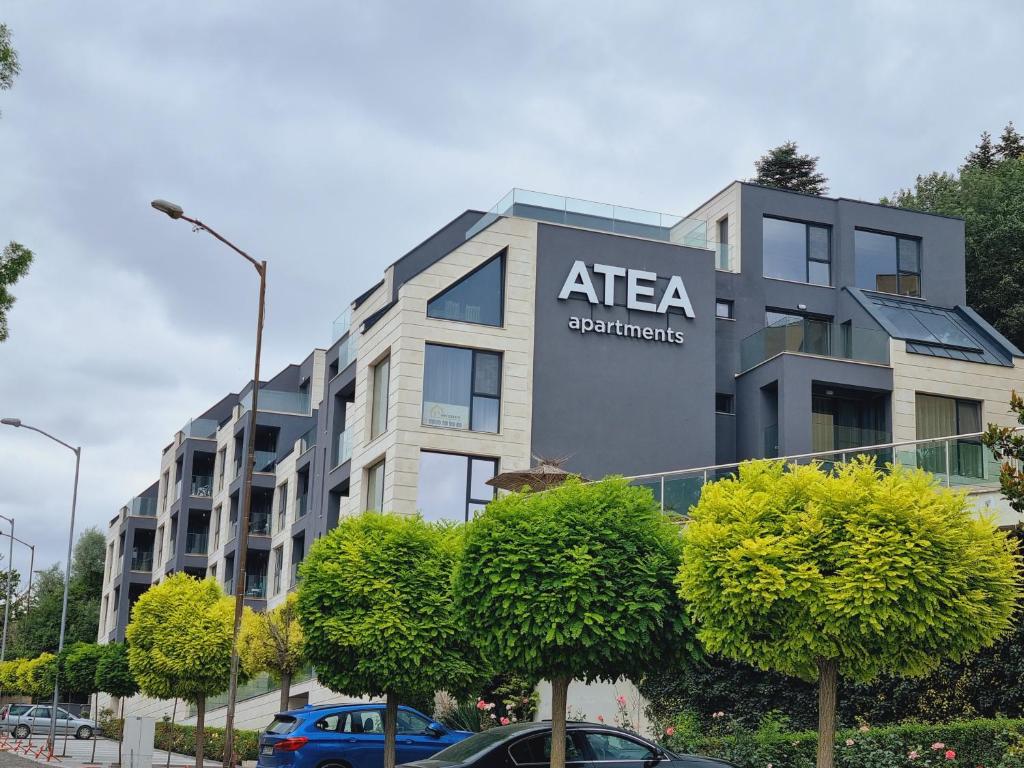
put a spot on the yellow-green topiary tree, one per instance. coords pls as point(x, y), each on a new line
point(179, 644)
point(272, 642)
point(856, 573)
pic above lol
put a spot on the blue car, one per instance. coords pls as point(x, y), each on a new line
point(349, 736)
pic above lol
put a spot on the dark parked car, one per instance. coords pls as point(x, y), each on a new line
point(349, 736)
point(587, 745)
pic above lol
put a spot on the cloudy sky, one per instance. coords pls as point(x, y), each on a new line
point(331, 137)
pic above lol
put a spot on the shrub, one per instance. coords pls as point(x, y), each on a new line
point(997, 743)
point(182, 738)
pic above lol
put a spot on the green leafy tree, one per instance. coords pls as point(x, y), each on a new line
point(1007, 446)
point(179, 643)
point(114, 677)
point(785, 168)
point(375, 604)
point(854, 573)
point(78, 663)
point(9, 67)
point(36, 677)
point(984, 155)
point(272, 642)
point(574, 583)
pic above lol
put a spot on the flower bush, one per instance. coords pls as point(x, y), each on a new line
point(997, 743)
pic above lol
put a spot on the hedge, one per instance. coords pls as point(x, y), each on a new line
point(182, 739)
point(995, 743)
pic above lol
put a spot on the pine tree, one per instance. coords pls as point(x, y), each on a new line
point(784, 167)
point(983, 155)
point(1011, 144)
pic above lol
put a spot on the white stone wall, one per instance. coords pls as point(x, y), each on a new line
point(725, 203)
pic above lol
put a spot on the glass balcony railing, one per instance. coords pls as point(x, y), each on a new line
point(347, 352)
point(343, 450)
point(341, 324)
point(959, 461)
point(256, 586)
point(259, 523)
point(723, 255)
point(307, 441)
point(142, 560)
point(200, 429)
point(815, 337)
point(196, 542)
point(229, 587)
point(276, 401)
point(635, 222)
point(202, 485)
point(142, 506)
point(302, 505)
point(266, 461)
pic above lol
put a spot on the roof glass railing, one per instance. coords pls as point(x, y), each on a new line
point(341, 324)
point(277, 401)
point(957, 461)
point(815, 337)
point(574, 212)
point(200, 429)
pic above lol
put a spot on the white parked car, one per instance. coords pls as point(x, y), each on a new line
point(23, 720)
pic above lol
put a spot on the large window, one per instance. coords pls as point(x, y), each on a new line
point(453, 487)
point(796, 250)
point(887, 263)
point(479, 297)
point(375, 487)
point(942, 417)
point(379, 408)
point(461, 388)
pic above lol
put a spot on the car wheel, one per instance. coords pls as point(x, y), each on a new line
point(22, 732)
point(84, 732)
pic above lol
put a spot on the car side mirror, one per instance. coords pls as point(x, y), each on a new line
point(436, 729)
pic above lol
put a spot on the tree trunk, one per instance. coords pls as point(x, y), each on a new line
point(200, 730)
point(95, 717)
point(286, 691)
point(170, 733)
point(559, 696)
point(828, 681)
point(390, 729)
point(120, 736)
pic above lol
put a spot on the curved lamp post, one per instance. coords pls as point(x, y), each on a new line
point(51, 737)
point(176, 212)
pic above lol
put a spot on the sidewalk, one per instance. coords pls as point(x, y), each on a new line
point(78, 754)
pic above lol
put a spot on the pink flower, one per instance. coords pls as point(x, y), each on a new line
point(912, 755)
point(850, 742)
point(600, 718)
point(950, 754)
point(768, 766)
point(505, 721)
point(670, 731)
point(938, 745)
point(621, 700)
point(864, 728)
point(481, 704)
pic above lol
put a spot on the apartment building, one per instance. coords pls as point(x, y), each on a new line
point(765, 323)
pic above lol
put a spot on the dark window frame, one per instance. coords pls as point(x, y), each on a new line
point(731, 403)
point(473, 394)
point(807, 249)
point(502, 257)
point(730, 305)
point(899, 272)
point(470, 458)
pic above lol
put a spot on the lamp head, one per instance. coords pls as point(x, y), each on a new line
point(11, 422)
point(172, 210)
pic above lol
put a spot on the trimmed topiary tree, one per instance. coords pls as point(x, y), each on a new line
point(575, 582)
point(179, 643)
point(36, 677)
point(272, 642)
point(375, 604)
point(114, 678)
point(854, 573)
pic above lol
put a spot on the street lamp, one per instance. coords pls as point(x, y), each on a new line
point(176, 212)
point(51, 737)
point(10, 578)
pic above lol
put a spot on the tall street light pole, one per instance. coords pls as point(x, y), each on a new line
point(176, 212)
point(31, 565)
point(51, 737)
point(10, 578)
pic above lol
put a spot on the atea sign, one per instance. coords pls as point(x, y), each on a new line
point(640, 295)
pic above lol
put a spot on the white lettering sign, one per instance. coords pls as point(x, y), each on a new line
point(640, 288)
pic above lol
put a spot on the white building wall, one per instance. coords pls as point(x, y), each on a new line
point(725, 203)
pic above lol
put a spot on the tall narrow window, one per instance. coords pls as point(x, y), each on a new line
point(479, 297)
point(282, 505)
point(379, 408)
point(797, 250)
point(461, 388)
point(375, 487)
point(722, 260)
point(887, 263)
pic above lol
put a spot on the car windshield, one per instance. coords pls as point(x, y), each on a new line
point(282, 724)
point(467, 749)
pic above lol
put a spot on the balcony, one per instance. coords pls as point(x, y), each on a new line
point(142, 561)
point(347, 351)
point(344, 447)
point(266, 461)
point(307, 441)
point(259, 523)
point(142, 506)
point(202, 486)
point(302, 505)
point(276, 401)
point(815, 337)
point(341, 324)
point(573, 212)
point(256, 586)
point(200, 429)
point(196, 542)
